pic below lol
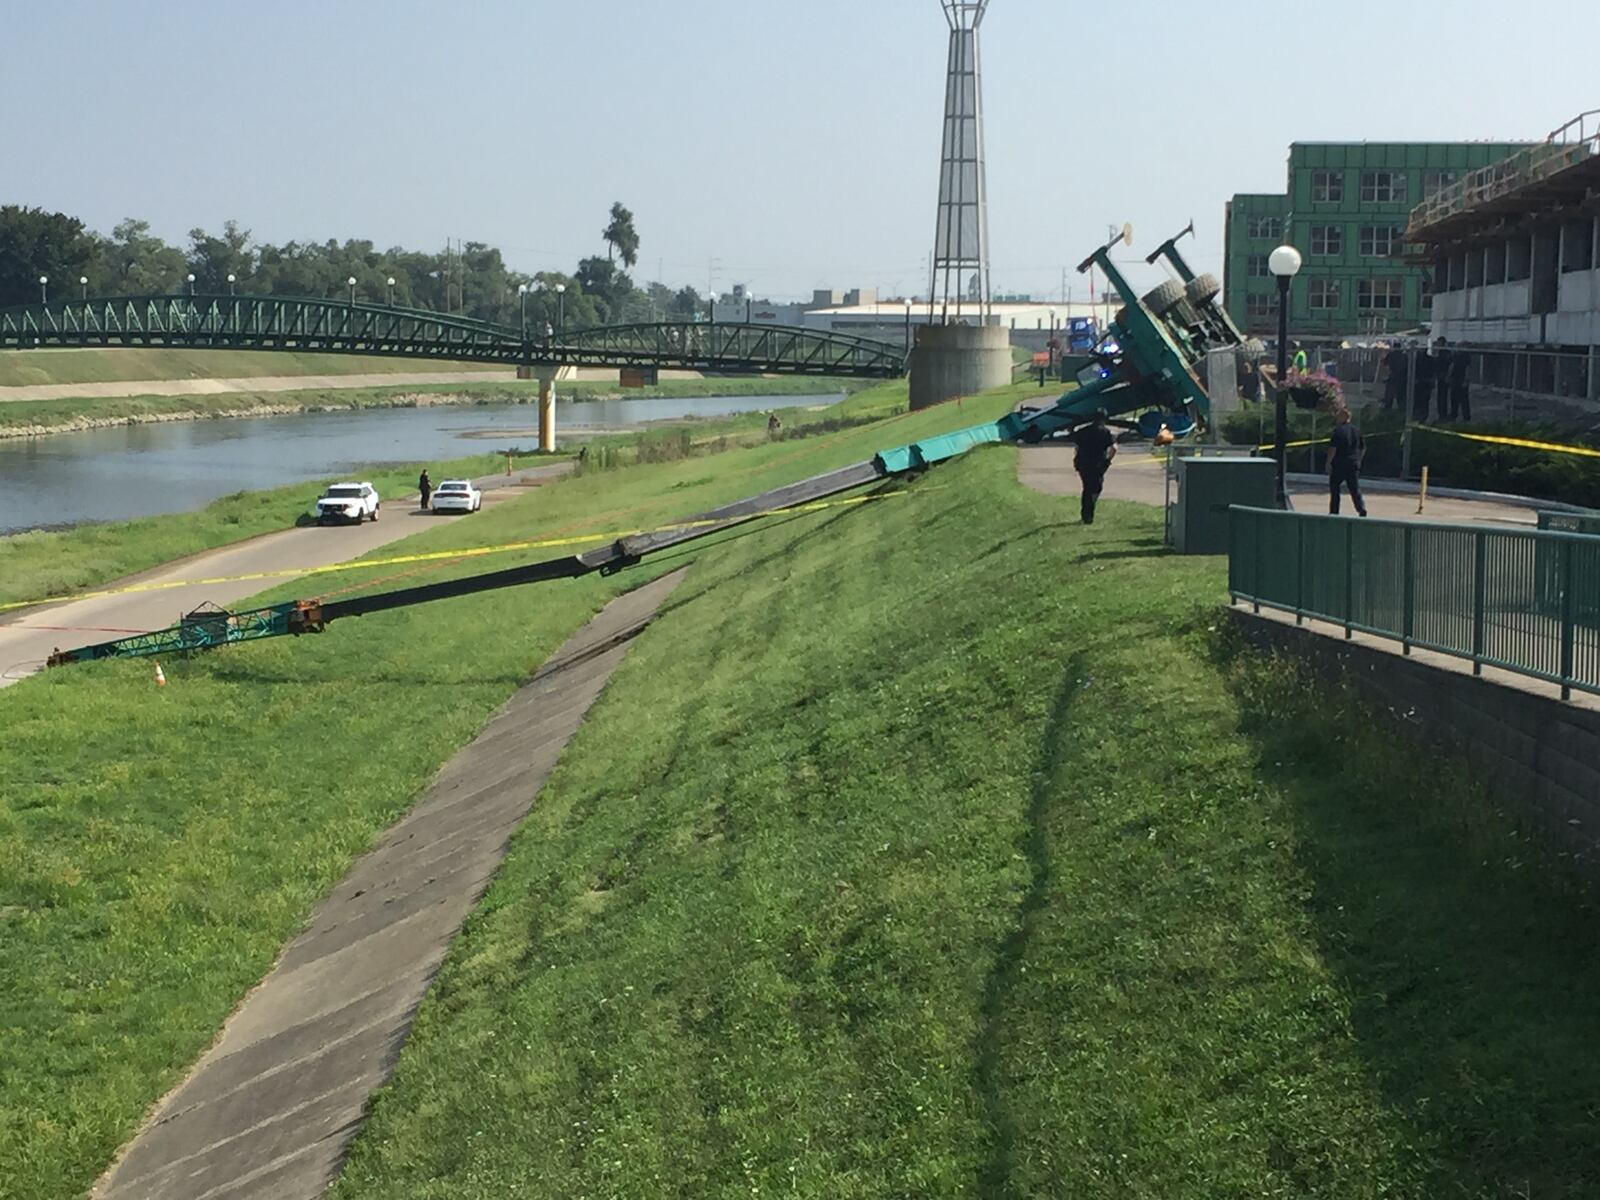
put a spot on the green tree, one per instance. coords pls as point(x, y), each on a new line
point(134, 262)
point(621, 237)
point(34, 242)
point(213, 259)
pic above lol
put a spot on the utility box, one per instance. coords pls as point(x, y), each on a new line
point(1207, 487)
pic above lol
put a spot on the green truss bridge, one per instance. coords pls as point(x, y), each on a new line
point(337, 327)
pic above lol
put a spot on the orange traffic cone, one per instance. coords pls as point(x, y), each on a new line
point(161, 679)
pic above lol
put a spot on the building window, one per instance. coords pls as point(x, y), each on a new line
point(1375, 295)
point(1261, 227)
point(1379, 241)
point(1327, 240)
point(1323, 294)
point(1433, 181)
point(1259, 308)
point(1327, 187)
point(1255, 266)
point(1382, 187)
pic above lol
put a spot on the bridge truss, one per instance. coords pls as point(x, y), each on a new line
point(337, 327)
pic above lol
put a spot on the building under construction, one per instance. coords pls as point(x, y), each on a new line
point(1512, 252)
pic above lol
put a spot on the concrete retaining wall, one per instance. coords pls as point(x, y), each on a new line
point(1541, 755)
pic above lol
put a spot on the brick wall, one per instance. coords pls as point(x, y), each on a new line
point(1543, 756)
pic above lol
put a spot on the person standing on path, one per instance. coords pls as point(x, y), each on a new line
point(1345, 449)
point(1097, 446)
point(424, 488)
point(1460, 401)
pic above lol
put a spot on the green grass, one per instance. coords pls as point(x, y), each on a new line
point(971, 863)
point(45, 563)
point(934, 846)
point(158, 848)
point(39, 416)
point(32, 367)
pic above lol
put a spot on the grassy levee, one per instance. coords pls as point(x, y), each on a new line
point(47, 563)
point(943, 848)
point(157, 848)
point(21, 368)
point(928, 846)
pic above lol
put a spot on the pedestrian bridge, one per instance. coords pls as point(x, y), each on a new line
point(337, 327)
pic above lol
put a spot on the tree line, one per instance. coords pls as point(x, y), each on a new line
point(472, 280)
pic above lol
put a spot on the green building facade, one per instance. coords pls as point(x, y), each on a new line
point(1345, 210)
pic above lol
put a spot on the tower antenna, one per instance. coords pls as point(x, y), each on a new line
point(960, 272)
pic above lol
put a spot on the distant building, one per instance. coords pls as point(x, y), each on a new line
point(1345, 210)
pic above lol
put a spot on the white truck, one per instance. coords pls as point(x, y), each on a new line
point(347, 503)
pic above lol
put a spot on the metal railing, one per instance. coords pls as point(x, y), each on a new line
point(1520, 600)
point(1572, 143)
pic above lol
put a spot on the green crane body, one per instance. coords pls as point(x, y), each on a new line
point(1145, 365)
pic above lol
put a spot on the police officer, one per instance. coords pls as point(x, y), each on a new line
point(1097, 446)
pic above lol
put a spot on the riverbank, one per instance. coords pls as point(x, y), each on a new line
point(61, 562)
point(41, 418)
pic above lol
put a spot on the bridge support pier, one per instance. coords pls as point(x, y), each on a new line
point(547, 407)
point(958, 360)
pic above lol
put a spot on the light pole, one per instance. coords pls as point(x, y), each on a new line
point(44, 296)
point(1283, 263)
point(522, 295)
point(191, 286)
point(561, 307)
point(352, 282)
point(391, 291)
point(232, 278)
point(83, 284)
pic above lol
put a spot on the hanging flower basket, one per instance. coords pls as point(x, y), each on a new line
point(1315, 390)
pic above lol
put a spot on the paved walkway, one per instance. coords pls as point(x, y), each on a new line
point(28, 636)
point(270, 1109)
point(1140, 478)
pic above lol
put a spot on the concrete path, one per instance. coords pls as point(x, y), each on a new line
point(28, 636)
point(270, 1109)
point(1138, 477)
point(116, 388)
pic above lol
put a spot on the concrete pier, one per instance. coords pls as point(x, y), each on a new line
point(958, 360)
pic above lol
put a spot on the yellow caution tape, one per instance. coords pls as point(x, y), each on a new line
point(445, 555)
point(1324, 441)
point(1524, 443)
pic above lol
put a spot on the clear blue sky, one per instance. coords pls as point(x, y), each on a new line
point(794, 141)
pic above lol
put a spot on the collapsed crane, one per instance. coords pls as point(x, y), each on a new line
point(1143, 374)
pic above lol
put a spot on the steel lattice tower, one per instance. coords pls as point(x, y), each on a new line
point(961, 235)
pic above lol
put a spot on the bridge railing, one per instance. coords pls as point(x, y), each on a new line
point(1521, 600)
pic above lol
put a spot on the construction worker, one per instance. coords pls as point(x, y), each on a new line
point(1301, 362)
point(1097, 446)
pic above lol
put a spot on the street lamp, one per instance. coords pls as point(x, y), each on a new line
point(44, 282)
point(83, 283)
point(191, 285)
point(232, 278)
point(1283, 263)
point(561, 307)
point(352, 282)
point(391, 291)
point(522, 294)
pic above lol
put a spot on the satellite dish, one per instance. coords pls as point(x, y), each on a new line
point(1127, 233)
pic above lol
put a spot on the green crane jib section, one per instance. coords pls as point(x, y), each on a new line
point(1143, 377)
point(336, 327)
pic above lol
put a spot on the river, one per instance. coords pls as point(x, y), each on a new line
point(140, 470)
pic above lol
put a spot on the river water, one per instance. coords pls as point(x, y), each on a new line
point(140, 470)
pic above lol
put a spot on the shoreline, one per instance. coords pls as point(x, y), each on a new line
point(324, 402)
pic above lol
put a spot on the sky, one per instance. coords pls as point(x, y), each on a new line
point(783, 144)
